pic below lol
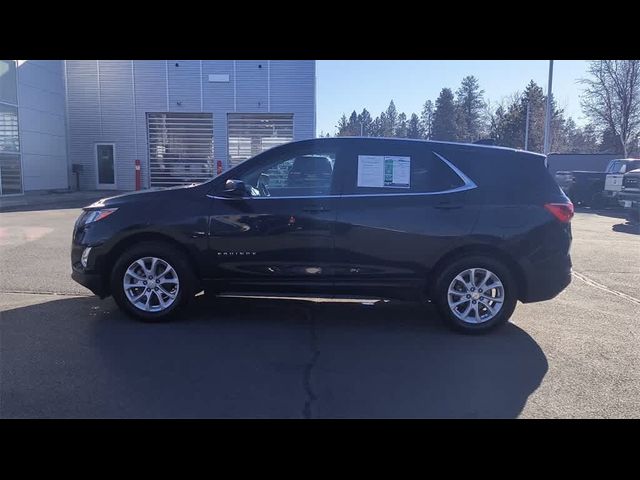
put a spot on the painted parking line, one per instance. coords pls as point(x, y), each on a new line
point(593, 283)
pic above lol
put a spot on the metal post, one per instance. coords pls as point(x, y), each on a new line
point(547, 120)
point(526, 129)
point(361, 129)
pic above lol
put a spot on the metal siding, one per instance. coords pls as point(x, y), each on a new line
point(293, 91)
point(116, 97)
point(184, 85)
point(251, 86)
point(41, 100)
point(218, 98)
point(151, 96)
point(83, 117)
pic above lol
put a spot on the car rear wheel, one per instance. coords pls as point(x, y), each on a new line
point(152, 281)
point(476, 294)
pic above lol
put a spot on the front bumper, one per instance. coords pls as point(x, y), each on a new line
point(93, 281)
point(90, 277)
point(629, 199)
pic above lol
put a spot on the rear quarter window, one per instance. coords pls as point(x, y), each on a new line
point(426, 172)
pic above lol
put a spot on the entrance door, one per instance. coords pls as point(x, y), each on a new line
point(106, 165)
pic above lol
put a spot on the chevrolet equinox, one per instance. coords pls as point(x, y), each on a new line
point(471, 228)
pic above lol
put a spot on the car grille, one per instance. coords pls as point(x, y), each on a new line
point(631, 182)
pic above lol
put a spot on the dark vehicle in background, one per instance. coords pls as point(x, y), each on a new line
point(629, 197)
point(470, 228)
point(596, 189)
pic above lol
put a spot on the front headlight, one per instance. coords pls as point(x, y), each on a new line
point(91, 216)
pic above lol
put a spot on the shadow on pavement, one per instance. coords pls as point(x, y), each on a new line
point(628, 227)
point(244, 358)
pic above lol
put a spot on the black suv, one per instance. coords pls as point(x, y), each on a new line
point(472, 228)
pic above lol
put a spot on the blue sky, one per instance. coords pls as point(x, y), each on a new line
point(347, 85)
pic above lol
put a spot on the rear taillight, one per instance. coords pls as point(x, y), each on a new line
point(562, 211)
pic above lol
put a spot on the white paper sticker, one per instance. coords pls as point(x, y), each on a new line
point(384, 171)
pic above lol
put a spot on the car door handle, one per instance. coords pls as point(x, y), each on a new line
point(315, 209)
point(448, 205)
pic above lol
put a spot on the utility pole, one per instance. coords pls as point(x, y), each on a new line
point(526, 131)
point(361, 129)
point(547, 120)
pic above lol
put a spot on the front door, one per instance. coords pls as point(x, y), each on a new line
point(106, 165)
point(279, 238)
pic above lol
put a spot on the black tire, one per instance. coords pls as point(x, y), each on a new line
point(441, 287)
point(168, 253)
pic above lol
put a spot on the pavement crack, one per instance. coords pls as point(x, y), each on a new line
point(593, 283)
point(311, 397)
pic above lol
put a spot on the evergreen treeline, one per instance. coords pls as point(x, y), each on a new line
point(465, 116)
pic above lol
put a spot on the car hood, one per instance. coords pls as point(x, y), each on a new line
point(146, 196)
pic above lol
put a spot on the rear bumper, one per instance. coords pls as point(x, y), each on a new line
point(547, 279)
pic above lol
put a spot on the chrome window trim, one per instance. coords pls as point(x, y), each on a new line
point(468, 185)
point(467, 181)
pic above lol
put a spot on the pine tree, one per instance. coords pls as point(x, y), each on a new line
point(354, 125)
point(414, 128)
point(401, 129)
point(469, 105)
point(365, 120)
point(426, 120)
point(444, 117)
point(375, 129)
point(342, 126)
point(389, 120)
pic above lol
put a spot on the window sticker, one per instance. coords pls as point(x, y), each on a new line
point(384, 171)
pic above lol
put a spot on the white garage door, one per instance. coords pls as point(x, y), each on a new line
point(180, 148)
point(253, 133)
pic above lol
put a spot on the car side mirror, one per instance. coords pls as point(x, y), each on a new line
point(235, 188)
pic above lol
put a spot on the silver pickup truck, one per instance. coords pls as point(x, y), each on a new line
point(596, 189)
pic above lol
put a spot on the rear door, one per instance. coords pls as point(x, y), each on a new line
point(403, 205)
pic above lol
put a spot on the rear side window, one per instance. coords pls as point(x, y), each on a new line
point(398, 169)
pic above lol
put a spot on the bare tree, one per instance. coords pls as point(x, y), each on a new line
point(612, 98)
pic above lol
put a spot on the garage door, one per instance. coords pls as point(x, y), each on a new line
point(253, 133)
point(180, 148)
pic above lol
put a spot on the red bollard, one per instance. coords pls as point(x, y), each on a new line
point(138, 176)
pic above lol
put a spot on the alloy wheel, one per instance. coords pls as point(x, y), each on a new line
point(151, 284)
point(475, 295)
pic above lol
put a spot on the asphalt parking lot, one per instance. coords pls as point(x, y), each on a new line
point(66, 354)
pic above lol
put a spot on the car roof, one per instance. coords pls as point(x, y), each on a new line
point(419, 140)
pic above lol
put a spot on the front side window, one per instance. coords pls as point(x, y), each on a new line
point(305, 174)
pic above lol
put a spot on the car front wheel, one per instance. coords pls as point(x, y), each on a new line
point(476, 294)
point(152, 281)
